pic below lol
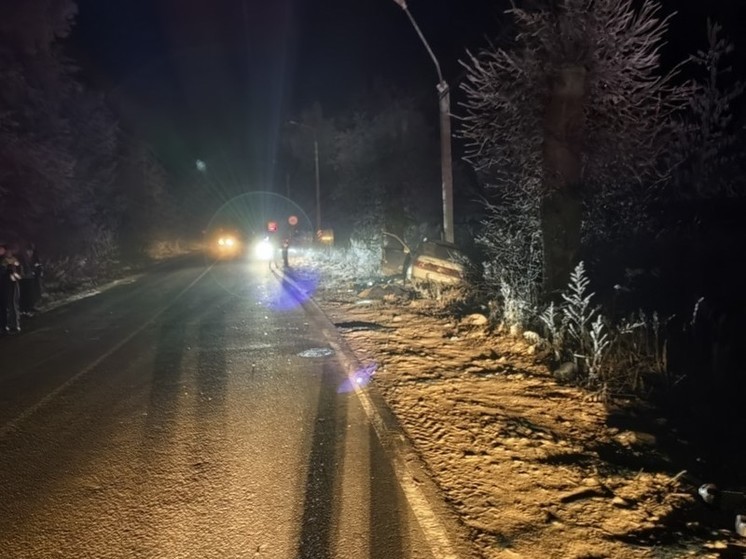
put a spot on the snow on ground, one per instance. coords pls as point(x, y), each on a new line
point(533, 468)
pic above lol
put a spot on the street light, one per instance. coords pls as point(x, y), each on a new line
point(316, 162)
point(444, 102)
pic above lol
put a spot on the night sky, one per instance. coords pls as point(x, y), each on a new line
point(217, 79)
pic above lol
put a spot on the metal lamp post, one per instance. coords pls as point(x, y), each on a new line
point(316, 163)
point(444, 103)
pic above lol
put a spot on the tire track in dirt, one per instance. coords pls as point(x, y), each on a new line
point(531, 467)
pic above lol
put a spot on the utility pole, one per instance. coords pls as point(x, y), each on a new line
point(318, 181)
point(444, 105)
point(316, 163)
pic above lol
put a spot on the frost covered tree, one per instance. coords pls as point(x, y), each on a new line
point(66, 180)
point(30, 28)
point(146, 194)
point(569, 113)
point(36, 160)
point(710, 158)
point(386, 164)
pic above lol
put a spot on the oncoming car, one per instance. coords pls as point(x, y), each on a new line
point(225, 244)
point(264, 248)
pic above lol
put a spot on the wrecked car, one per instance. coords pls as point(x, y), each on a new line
point(430, 261)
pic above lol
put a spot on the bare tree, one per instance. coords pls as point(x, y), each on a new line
point(575, 107)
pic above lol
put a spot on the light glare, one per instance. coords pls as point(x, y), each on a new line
point(264, 250)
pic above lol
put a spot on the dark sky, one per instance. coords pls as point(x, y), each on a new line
point(217, 79)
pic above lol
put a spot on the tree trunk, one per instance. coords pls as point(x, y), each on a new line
point(561, 208)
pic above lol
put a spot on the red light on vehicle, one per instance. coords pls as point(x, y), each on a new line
point(272, 226)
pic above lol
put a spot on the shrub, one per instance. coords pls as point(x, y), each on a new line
point(612, 357)
point(362, 259)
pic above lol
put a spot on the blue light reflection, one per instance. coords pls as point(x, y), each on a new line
point(361, 378)
point(298, 286)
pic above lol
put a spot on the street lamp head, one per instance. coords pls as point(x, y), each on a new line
point(402, 4)
point(302, 125)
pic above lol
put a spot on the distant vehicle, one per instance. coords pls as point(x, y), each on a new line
point(435, 261)
point(225, 244)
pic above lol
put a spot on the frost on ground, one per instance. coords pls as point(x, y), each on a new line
point(533, 468)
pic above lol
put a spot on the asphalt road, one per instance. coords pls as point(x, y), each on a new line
point(193, 413)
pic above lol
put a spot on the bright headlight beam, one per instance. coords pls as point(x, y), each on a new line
point(264, 250)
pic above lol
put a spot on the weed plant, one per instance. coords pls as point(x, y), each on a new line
point(614, 358)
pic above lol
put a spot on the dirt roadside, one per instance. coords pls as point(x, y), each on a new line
point(532, 468)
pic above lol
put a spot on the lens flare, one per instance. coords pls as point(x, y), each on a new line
point(359, 379)
point(296, 289)
point(264, 250)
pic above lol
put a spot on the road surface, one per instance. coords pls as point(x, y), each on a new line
point(197, 412)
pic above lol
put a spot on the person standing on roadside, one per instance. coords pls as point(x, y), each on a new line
point(4, 280)
point(285, 249)
point(26, 283)
point(38, 274)
point(10, 276)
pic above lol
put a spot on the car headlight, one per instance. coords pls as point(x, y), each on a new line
point(264, 250)
point(227, 242)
